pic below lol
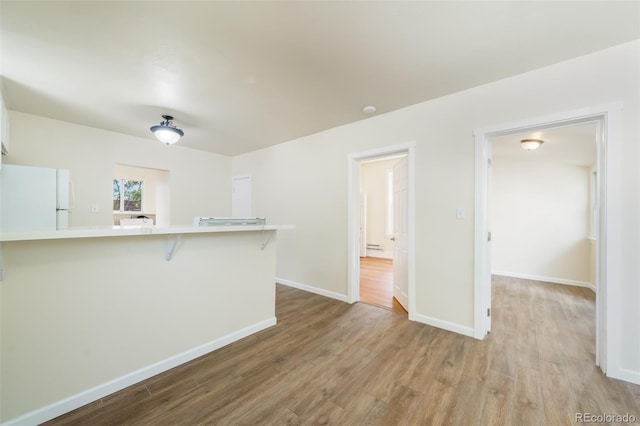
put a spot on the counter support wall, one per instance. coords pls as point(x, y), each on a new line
point(84, 317)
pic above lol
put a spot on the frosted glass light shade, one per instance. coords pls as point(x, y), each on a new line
point(530, 144)
point(166, 132)
point(166, 135)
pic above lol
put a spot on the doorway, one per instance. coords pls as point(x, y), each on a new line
point(378, 219)
point(542, 287)
point(404, 223)
point(141, 194)
point(607, 119)
point(543, 205)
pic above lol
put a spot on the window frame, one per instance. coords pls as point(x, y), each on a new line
point(122, 182)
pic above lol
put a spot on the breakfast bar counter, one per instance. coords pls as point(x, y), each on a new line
point(87, 312)
point(119, 231)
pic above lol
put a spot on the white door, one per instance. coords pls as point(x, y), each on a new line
point(400, 234)
point(363, 224)
point(241, 196)
point(487, 295)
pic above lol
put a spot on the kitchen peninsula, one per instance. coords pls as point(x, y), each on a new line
point(89, 311)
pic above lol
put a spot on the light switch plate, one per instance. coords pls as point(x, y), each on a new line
point(459, 213)
point(95, 208)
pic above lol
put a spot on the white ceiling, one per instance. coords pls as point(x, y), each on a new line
point(573, 145)
point(239, 76)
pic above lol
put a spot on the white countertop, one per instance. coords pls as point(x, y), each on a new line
point(123, 231)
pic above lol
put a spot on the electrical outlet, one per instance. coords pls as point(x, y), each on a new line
point(95, 208)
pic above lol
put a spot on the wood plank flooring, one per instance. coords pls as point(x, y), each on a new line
point(376, 283)
point(327, 362)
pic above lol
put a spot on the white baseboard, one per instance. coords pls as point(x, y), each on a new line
point(380, 254)
point(546, 279)
point(626, 375)
point(311, 289)
point(449, 326)
point(445, 325)
point(71, 403)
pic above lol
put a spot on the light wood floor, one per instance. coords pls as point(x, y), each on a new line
point(327, 362)
point(376, 283)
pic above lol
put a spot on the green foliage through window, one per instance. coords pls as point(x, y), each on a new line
point(127, 195)
point(116, 195)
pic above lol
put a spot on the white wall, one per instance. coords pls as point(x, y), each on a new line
point(199, 180)
point(1, 327)
point(540, 220)
point(1, 160)
point(304, 182)
point(373, 181)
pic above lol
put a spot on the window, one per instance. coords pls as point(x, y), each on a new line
point(127, 195)
point(388, 229)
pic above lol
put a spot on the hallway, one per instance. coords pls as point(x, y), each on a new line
point(376, 283)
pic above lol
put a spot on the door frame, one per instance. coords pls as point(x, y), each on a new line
point(353, 218)
point(608, 289)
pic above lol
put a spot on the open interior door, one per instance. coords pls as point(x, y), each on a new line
point(400, 219)
point(363, 224)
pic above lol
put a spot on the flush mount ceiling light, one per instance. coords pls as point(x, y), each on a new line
point(166, 131)
point(530, 144)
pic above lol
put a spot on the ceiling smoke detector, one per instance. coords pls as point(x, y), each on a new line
point(369, 109)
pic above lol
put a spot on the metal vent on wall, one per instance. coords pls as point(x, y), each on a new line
point(229, 221)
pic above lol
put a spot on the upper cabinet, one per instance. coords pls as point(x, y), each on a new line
point(4, 126)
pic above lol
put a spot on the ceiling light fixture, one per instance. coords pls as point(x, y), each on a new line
point(166, 131)
point(369, 109)
point(530, 144)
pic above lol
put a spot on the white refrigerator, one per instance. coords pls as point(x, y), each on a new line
point(35, 198)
